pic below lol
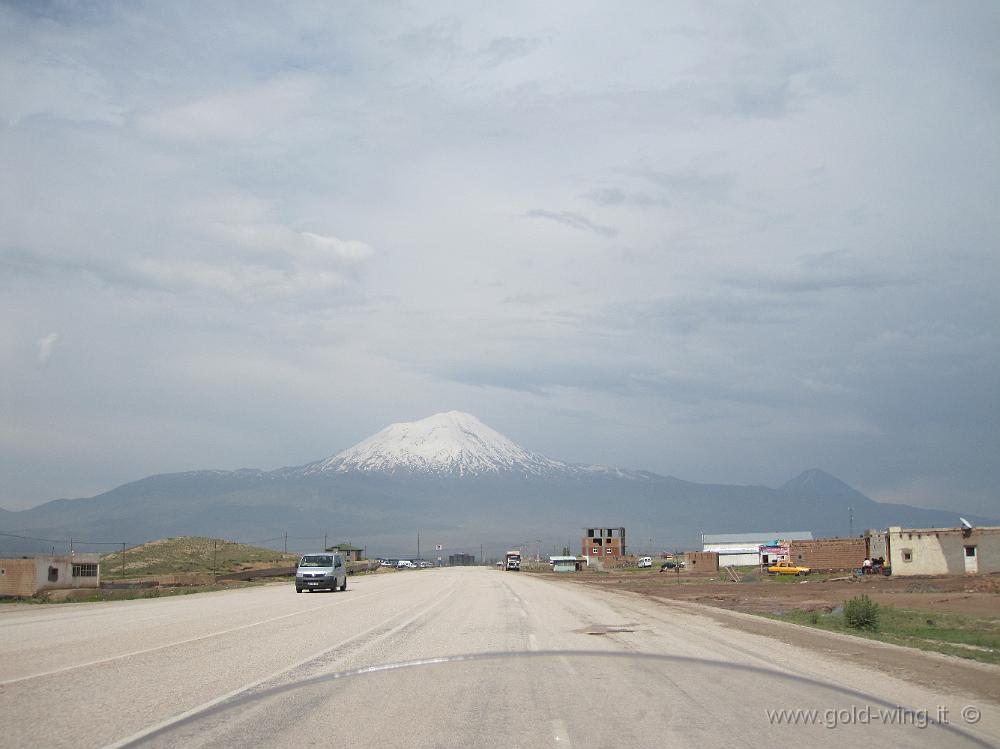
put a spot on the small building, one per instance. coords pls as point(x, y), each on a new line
point(567, 563)
point(829, 554)
point(350, 553)
point(743, 549)
point(24, 577)
point(701, 561)
point(606, 543)
point(943, 551)
point(461, 560)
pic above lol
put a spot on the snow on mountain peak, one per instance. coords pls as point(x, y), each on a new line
point(446, 443)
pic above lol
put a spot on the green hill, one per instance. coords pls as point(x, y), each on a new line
point(190, 554)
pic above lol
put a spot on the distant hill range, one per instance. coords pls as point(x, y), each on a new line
point(456, 482)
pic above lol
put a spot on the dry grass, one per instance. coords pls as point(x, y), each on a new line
point(190, 554)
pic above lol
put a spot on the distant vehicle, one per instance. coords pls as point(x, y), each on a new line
point(645, 562)
point(668, 565)
point(501, 565)
point(513, 560)
point(425, 565)
point(319, 572)
point(405, 564)
point(787, 568)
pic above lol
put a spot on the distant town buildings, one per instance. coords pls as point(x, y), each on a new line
point(743, 549)
point(349, 552)
point(29, 576)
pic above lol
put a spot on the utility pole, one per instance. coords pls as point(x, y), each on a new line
point(418, 546)
point(482, 559)
point(325, 544)
point(538, 551)
point(850, 522)
point(286, 542)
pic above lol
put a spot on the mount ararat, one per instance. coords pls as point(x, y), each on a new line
point(459, 483)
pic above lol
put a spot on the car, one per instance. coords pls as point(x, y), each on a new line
point(405, 564)
point(787, 568)
point(426, 565)
point(645, 562)
point(323, 571)
point(670, 565)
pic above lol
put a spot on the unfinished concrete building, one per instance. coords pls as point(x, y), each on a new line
point(606, 543)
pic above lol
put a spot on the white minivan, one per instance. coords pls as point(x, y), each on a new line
point(645, 562)
point(321, 572)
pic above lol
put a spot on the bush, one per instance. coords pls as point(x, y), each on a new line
point(861, 612)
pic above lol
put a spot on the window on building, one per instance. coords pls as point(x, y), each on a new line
point(53, 574)
point(970, 551)
point(907, 555)
point(84, 570)
point(596, 550)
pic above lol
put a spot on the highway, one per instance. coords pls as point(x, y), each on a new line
point(551, 664)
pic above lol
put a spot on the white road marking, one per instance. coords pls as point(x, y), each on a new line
point(560, 735)
point(246, 687)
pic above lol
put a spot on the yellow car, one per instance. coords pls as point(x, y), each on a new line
point(787, 568)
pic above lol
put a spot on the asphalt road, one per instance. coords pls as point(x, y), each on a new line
point(378, 665)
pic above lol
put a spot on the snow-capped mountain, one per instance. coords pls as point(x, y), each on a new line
point(452, 443)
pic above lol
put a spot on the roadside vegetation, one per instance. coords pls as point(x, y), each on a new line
point(977, 638)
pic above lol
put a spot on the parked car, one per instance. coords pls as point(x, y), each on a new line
point(321, 571)
point(405, 564)
point(645, 562)
point(787, 568)
point(669, 565)
point(425, 565)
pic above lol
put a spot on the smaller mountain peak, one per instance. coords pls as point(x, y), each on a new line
point(818, 483)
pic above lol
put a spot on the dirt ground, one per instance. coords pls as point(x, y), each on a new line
point(730, 603)
point(756, 594)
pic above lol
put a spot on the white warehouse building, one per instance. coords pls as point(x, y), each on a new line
point(743, 549)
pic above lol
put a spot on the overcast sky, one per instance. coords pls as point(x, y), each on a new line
point(720, 241)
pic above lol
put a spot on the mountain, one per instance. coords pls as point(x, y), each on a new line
point(457, 481)
point(446, 444)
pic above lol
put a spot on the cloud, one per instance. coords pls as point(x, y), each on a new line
point(45, 344)
point(55, 86)
point(574, 220)
point(240, 114)
point(819, 273)
point(505, 49)
point(612, 196)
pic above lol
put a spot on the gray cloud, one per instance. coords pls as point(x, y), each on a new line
point(606, 196)
point(574, 220)
point(248, 228)
point(504, 49)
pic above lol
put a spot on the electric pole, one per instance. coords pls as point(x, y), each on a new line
point(850, 522)
point(418, 546)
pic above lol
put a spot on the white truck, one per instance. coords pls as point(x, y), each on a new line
point(513, 558)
